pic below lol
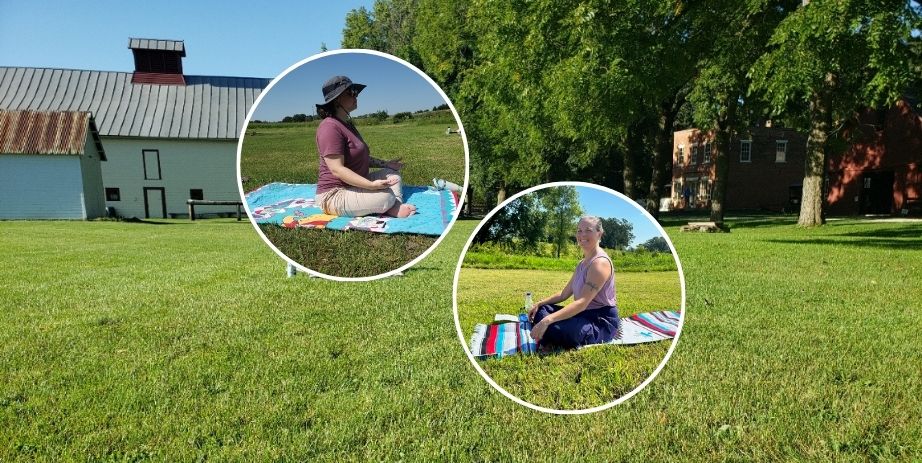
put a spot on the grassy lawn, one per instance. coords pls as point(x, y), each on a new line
point(288, 153)
point(184, 341)
point(568, 380)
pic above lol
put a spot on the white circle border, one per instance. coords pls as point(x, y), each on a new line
point(454, 112)
point(530, 405)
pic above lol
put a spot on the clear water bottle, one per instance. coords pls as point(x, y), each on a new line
point(528, 302)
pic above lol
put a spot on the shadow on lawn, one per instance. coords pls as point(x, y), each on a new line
point(882, 243)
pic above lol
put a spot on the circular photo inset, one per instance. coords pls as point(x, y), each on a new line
point(569, 298)
point(352, 165)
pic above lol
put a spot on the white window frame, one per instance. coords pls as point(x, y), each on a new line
point(748, 144)
point(707, 153)
point(681, 154)
point(782, 154)
point(694, 155)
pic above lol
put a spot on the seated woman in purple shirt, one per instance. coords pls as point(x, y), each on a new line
point(592, 317)
point(345, 184)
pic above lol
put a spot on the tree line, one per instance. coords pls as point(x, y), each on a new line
point(555, 90)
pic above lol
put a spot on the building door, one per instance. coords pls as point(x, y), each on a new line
point(154, 203)
point(877, 192)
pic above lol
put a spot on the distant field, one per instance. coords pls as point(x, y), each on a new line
point(623, 261)
point(179, 341)
point(275, 152)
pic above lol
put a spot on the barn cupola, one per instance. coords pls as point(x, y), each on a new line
point(157, 61)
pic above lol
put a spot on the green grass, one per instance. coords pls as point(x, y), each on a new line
point(623, 261)
point(573, 379)
point(184, 341)
point(274, 152)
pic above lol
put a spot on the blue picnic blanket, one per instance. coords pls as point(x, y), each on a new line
point(292, 205)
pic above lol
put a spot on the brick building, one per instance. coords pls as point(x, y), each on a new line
point(881, 171)
point(766, 169)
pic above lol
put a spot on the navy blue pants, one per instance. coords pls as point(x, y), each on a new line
point(591, 326)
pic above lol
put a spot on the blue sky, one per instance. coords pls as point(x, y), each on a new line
point(392, 87)
point(222, 38)
point(603, 204)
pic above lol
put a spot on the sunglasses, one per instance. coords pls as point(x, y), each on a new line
point(353, 91)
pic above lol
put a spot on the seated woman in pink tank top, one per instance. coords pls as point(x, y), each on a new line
point(592, 317)
point(345, 184)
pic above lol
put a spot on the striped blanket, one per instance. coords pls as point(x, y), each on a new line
point(510, 335)
point(292, 205)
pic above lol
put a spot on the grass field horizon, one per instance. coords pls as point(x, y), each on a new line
point(287, 152)
point(184, 340)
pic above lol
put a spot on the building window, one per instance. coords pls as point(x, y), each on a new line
point(694, 155)
point(196, 193)
point(781, 151)
point(745, 150)
point(151, 160)
point(113, 194)
point(681, 154)
point(707, 152)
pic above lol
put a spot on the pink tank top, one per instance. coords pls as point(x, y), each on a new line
point(606, 296)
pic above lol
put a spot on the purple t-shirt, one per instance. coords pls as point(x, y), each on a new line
point(334, 137)
point(606, 296)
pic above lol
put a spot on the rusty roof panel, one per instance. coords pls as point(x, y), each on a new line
point(45, 132)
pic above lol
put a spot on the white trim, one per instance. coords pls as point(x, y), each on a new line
point(784, 157)
point(749, 144)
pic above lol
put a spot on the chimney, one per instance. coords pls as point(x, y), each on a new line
point(157, 61)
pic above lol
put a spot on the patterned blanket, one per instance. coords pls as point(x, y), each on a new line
point(292, 205)
point(510, 335)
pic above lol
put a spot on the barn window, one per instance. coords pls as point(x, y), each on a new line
point(151, 160)
point(745, 150)
point(781, 150)
point(113, 194)
point(196, 193)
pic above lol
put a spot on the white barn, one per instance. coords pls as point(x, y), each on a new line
point(50, 166)
point(168, 137)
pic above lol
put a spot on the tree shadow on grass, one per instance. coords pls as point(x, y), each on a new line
point(910, 232)
point(881, 243)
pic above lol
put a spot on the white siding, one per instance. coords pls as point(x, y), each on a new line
point(41, 187)
point(94, 197)
point(185, 164)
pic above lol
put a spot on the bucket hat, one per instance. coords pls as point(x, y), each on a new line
point(335, 86)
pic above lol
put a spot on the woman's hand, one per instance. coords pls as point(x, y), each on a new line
point(383, 183)
point(532, 312)
point(537, 331)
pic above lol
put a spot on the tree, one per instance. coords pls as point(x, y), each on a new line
point(717, 98)
point(520, 224)
point(561, 204)
point(656, 244)
point(836, 56)
point(618, 233)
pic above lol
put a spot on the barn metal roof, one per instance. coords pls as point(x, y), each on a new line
point(46, 132)
point(206, 107)
point(156, 44)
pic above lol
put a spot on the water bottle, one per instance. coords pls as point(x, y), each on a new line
point(523, 317)
point(291, 270)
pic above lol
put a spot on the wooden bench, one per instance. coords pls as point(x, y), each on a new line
point(204, 202)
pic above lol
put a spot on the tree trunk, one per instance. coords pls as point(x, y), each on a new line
point(812, 199)
point(501, 194)
point(720, 156)
point(662, 156)
point(634, 144)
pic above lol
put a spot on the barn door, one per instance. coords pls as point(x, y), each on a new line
point(154, 203)
point(877, 192)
